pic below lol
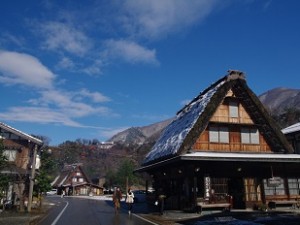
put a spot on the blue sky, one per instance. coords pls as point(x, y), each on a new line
point(89, 69)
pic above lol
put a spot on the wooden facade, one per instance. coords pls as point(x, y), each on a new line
point(19, 150)
point(224, 148)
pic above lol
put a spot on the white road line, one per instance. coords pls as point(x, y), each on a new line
point(142, 218)
point(57, 218)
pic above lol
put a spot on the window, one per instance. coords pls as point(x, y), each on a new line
point(80, 179)
point(249, 136)
point(233, 109)
point(10, 154)
point(294, 185)
point(78, 174)
point(219, 185)
point(274, 190)
point(74, 179)
point(218, 134)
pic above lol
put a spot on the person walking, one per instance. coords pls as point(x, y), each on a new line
point(117, 196)
point(129, 200)
point(62, 194)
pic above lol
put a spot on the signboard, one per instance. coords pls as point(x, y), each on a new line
point(206, 187)
point(274, 181)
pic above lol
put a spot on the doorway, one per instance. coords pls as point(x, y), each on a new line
point(237, 191)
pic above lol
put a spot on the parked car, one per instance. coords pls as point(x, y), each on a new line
point(139, 195)
point(52, 192)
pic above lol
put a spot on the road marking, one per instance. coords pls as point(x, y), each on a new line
point(58, 217)
point(142, 218)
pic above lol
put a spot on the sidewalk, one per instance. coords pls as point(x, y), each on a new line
point(12, 217)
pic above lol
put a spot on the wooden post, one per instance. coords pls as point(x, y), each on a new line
point(31, 179)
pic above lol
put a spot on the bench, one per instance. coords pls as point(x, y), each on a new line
point(284, 203)
point(204, 204)
point(223, 206)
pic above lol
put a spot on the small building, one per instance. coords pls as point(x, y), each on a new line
point(21, 150)
point(223, 148)
point(292, 133)
point(74, 181)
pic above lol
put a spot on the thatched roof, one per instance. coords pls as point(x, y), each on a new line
point(66, 174)
point(180, 135)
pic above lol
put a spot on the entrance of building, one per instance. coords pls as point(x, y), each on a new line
point(237, 191)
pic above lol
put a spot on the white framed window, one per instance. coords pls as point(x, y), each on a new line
point(74, 179)
point(80, 179)
point(233, 109)
point(218, 134)
point(10, 154)
point(78, 174)
point(249, 135)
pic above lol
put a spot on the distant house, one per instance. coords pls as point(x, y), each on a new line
point(74, 181)
point(292, 133)
point(224, 149)
point(19, 149)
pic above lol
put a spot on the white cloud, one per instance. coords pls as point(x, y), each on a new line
point(129, 51)
point(72, 104)
point(8, 38)
point(95, 96)
point(66, 63)
point(60, 36)
point(94, 68)
point(155, 18)
point(51, 105)
point(38, 115)
point(20, 68)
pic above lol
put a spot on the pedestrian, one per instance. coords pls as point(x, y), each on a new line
point(129, 200)
point(62, 194)
point(117, 196)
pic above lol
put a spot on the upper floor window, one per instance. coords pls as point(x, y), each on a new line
point(233, 109)
point(80, 179)
point(249, 136)
point(218, 134)
point(78, 174)
point(10, 154)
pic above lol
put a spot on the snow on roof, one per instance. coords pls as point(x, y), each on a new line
point(242, 156)
point(20, 133)
point(291, 129)
point(169, 143)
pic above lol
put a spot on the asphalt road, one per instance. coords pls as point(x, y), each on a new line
point(79, 211)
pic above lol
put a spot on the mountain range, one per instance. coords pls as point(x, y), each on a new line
point(277, 101)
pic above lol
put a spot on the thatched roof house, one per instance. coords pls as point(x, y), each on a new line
point(225, 132)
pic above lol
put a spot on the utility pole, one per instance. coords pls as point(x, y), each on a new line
point(31, 178)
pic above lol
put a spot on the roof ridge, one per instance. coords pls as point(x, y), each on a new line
point(231, 75)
